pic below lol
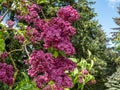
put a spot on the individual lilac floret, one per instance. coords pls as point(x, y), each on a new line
point(10, 23)
point(6, 72)
point(68, 13)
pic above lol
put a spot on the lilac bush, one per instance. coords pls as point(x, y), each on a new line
point(49, 67)
point(43, 67)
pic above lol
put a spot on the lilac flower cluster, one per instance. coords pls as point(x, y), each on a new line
point(32, 13)
point(6, 72)
point(3, 55)
point(44, 68)
point(59, 30)
point(10, 23)
point(19, 38)
point(56, 32)
point(33, 33)
point(58, 35)
point(67, 13)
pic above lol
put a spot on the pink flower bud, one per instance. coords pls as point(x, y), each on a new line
point(94, 81)
point(80, 80)
point(85, 72)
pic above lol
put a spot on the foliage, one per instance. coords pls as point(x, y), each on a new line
point(113, 80)
point(83, 73)
point(116, 34)
point(25, 83)
point(24, 45)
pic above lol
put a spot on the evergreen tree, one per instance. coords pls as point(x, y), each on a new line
point(113, 80)
point(116, 36)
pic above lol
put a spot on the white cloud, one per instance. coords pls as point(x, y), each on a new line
point(113, 3)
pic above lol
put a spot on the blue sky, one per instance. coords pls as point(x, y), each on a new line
point(106, 10)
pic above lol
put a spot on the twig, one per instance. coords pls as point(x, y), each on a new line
point(15, 50)
point(43, 14)
point(6, 29)
point(26, 50)
point(14, 77)
point(16, 71)
point(14, 65)
point(4, 15)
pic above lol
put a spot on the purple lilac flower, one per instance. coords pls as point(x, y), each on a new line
point(10, 23)
point(6, 72)
point(68, 13)
point(80, 80)
point(85, 72)
point(19, 38)
point(33, 34)
point(58, 35)
point(3, 55)
point(44, 68)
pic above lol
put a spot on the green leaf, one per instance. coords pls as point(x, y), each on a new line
point(55, 54)
point(89, 53)
point(1, 35)
point(83, 64)
point(50, 50)
point(66, 89)
point(75, 72)
point(41, 1)
point(1, 1)
point(21, 24)
point(88, 78)
point(92, 63)
point(73, 59)
point(117, 48)
point(2, 45)
point(26, 84)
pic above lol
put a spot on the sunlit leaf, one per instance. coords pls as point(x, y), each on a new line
point(2, 45)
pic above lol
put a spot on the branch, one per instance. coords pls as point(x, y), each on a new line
point(14, 77)
point(15, 50)
point(14, 65)
point(7, 29)
point(26, 50)
point(43, 14)
point(4, 15)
